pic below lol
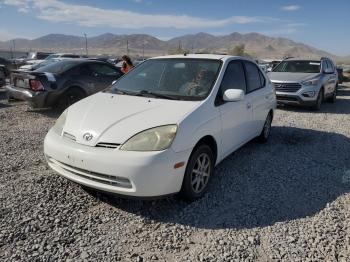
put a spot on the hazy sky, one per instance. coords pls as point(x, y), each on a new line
point(323, 24)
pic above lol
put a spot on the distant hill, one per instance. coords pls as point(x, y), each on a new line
point(256, 44)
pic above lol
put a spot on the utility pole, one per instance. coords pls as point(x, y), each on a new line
point(127, 47)
point(192, 49)
point(14, 46)
point(143, 51)
point(86, 48)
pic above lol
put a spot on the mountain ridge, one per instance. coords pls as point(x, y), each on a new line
point(256, 44)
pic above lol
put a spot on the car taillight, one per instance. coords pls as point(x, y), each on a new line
point(36, 85)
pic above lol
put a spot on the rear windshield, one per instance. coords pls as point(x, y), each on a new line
point(298, 66)
point(57, 67)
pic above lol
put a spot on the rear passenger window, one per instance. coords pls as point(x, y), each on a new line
point(234, 78)
point(253, 77)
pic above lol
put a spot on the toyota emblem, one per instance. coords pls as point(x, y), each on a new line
point(88, 136)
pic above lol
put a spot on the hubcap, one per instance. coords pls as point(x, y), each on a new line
point(200, 173)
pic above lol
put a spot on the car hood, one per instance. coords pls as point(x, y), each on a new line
point(111, 118)
point(291, 77)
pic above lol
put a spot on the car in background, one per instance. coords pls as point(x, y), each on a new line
point(8, 65)
point(2, 75)
point(305, 82)
point(163, 127)
point(340, 75)
point(62, 83)
point(32, 64)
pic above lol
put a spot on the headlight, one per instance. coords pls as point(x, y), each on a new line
point(154, 139)
point(58, 127)
point(312, 82)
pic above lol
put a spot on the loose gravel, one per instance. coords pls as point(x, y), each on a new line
point(287, 200)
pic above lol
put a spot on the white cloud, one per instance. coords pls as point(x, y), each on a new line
point(287, 29)
point(291, 8)
point(57, 11)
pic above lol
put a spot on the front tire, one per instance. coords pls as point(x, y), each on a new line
point(333, 98)
point(198, 172)
point(318, 104)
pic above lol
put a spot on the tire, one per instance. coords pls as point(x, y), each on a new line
point(197, 177)
point(71, 96)
point(333, 98)
point(318, 104)
point(265, 133)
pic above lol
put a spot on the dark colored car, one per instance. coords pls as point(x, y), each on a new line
point(9, 65)
point(62, 83)
point(2, 75)
point(340, 75)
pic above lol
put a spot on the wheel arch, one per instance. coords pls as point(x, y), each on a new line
point(209, 141)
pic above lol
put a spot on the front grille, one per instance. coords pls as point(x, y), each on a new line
point(93, 176)
point(108, 145)
point(287, 87)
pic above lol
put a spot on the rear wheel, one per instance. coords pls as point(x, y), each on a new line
point(70, 97)
point(265, 133)
point(198, 172)
point(319, 101)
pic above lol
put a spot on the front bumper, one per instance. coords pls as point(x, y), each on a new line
point(136, 174)
point(34, 99)
point(298, 97)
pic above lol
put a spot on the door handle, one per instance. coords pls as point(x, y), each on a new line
point(267, 96)
point(249, 106)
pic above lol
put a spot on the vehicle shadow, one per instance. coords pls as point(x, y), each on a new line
point(295, 175)
point(341, 106)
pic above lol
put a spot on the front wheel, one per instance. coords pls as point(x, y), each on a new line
point(265, 133)
point(198, 172)
point(319, 101)
point(333, 98)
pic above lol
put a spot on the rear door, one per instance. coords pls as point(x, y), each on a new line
point(333, 78)
point(258, 95)
point(235, 116)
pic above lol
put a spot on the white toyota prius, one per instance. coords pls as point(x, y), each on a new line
point(163, 127)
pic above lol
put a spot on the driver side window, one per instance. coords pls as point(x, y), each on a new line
point(234, 78)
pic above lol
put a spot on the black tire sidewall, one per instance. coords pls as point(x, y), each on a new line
point(65, 100)
point(186, 189)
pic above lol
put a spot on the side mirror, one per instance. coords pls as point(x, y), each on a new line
point(328, 71)
point(233, 95)
point(269, 69)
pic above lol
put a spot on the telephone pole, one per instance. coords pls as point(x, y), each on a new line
point(127, 47)
point(86, 48)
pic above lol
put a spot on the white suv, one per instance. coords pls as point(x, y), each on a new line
point(163, 127)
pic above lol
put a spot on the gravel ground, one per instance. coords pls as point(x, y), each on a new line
point(287, 200)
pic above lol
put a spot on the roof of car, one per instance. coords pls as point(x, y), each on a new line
point(302, 59)
point(200, 56)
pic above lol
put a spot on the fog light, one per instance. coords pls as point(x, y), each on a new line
point(309, 94)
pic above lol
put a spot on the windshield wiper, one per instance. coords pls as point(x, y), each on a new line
point(146, 92)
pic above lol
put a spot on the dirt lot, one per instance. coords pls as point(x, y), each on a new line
point(287, 200)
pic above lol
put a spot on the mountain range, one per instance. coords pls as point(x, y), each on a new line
point(257, 45)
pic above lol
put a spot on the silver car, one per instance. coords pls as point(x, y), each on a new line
point(305, 82)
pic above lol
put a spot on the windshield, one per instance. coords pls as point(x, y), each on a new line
point(186, 79)
point(298, 66)
point(56, 67)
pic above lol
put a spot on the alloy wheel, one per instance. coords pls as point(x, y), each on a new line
point(201, 173)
